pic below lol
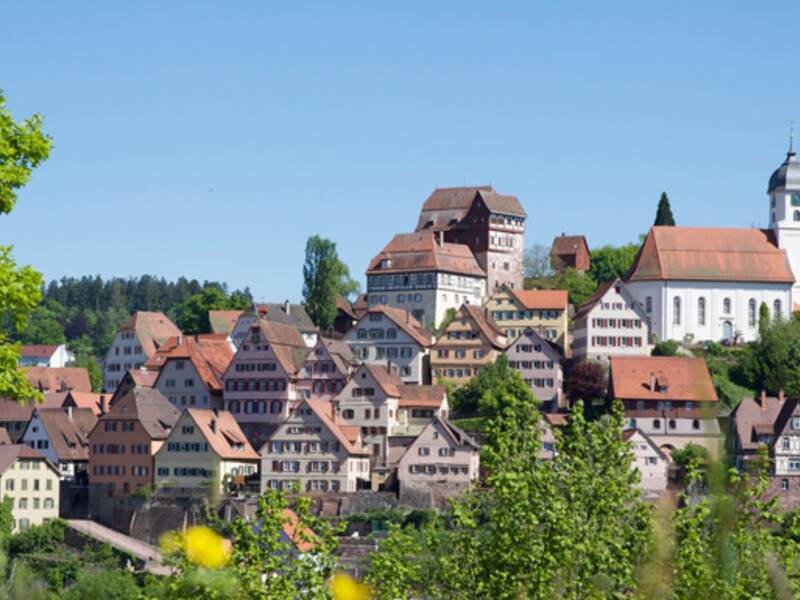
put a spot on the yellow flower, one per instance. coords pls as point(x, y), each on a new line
point(346, 588)
point(171, 542)
point(205, 547)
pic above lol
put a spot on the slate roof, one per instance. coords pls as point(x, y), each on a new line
point(68, 434)
point(51, 379)
point(711, 254)
point(151, 328)
point(150, 407)
point(685, 378)
point(223, 321)
point(420, 251)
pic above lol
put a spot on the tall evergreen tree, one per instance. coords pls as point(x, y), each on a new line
point(664, 212)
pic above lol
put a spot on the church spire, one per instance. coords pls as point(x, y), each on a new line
point(791, 152)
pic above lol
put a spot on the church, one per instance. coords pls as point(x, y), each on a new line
point(700, 283)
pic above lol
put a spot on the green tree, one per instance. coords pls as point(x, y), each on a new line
point(43, 327)
point(324, 278)
point(191, 315)
point(666, 348)
point(106, 583)
point(664, 212)
point(537, 262)
point(763, 319)
point(23, 146)
point(578, 284)
point(85, 358)
point(611, 262)
point(480, 396)
point(772, 362)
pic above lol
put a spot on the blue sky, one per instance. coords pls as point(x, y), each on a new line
point(211, 139)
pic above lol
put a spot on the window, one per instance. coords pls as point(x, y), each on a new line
point(672, 423)
point(796, 214)
point(676, 310)
point(648, 304)
point(10, 485)
point(785, 443)
point(784, 481)
point(424, 451)
point(656, 423)
point(751, 312)
point(795, 423)
point(701, 311)
point(48, 503)
point(695, 424)
point(726, 306)
point(23, 503)
point(776, 307)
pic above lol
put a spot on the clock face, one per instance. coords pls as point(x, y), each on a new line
point(795, 199)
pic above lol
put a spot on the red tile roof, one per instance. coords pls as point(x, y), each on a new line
point(446, 207)
point(490, 330)
point(223, 434)
point(58, 379)
point(390, 382)
point(753, 416)
point(9, 453)
point(151, 328)
point(711, 254)
point(542, 299)
point(93, 402)
point(346, 434)
point(683, 378)
point(143, 378)
point(406, 322)
point(300, 535)
point(148, 406)
point(37, 351)
point(422, 396)
point(68, 431)
point(568, 245)
point(210, 355)
point(287, 343)
point(412, 252)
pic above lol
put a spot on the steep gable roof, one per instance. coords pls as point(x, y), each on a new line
point(405, 321)
point(628, 434)
point(422, 396)
point(388, 380)
point(347, 435)
point(294, 315)
point(754, 416)
point(93, 402)
point(490, 330)
point(684, 378)
point(534, 337)
point(223, 321)
point(10, 453)
point(152, 329)
point(51, 379)
point(420, 251)
point(223, 434)
point(14, 411)
point(68, 431)
point(711, 254)
point(568, 245)
point(150, 407)
point(210, 355)
point(287, 344)
point(600, 293)
point(446, 207)
point(788, 410)
point(344, 306)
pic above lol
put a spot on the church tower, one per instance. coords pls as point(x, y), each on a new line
point(784, 212)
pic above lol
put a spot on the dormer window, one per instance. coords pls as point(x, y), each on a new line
point(795, 423)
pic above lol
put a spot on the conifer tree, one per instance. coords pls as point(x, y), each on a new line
point(664, 212)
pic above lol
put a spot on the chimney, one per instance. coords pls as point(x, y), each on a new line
point(780, 397)
point(652, 382)
point(441, 239)
point(333, 412)
point(69, 413)
point(287, 308)
point(102, 405)
point(763, 400)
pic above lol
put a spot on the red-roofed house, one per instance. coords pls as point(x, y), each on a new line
point(62, 435)
point(204, 447)
point(316, 450)
point(36, 355)
point(491, 224)
point(48, 379)
point(260, 383)
point(671, 399)
point(32, 483)
point(471, 341)
point(703, 283)
point(327, 367)
point(570, 251)
point(190, 369)
point(388, 335)
point(421, 273)
point(546, 311)
point(136, 341)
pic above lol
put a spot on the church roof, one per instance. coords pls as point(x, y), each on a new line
point(787, 176)
point(711, 254)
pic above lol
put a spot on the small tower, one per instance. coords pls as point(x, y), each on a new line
point(784, 211)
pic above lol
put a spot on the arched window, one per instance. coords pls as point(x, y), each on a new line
point(648, 304)
point(633, 423)
point(676, 310)
point(776, 307)
point(797, 215)
point(695, 424)
point(672, 423)
point(751, 312)
point(701, 311)
point(656, 423)
point(726, 306)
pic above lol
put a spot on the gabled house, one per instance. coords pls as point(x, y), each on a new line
point(204, 450)
point(136, 341)
point(291, 315)
point(546, 311)
point(135, 378)
point(326, 369)
point(539, 363)
point(49, 379)
point(261, 380)
point(570, 251)
point(387, 335)
point(32, 483)
point(441, 454)
point(37, 355)
point(651, 462)
point(62, 436)
point(421, 273)
point(345, 318)
point(223, 321)
point(611, 323)
point(97, 403)
point(315, 450)
point(124, 440)
point(14, 416)
point(669, 398)
point(190, 369)
point(471, 341)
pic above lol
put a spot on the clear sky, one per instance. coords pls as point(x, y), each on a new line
point(211, 139)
